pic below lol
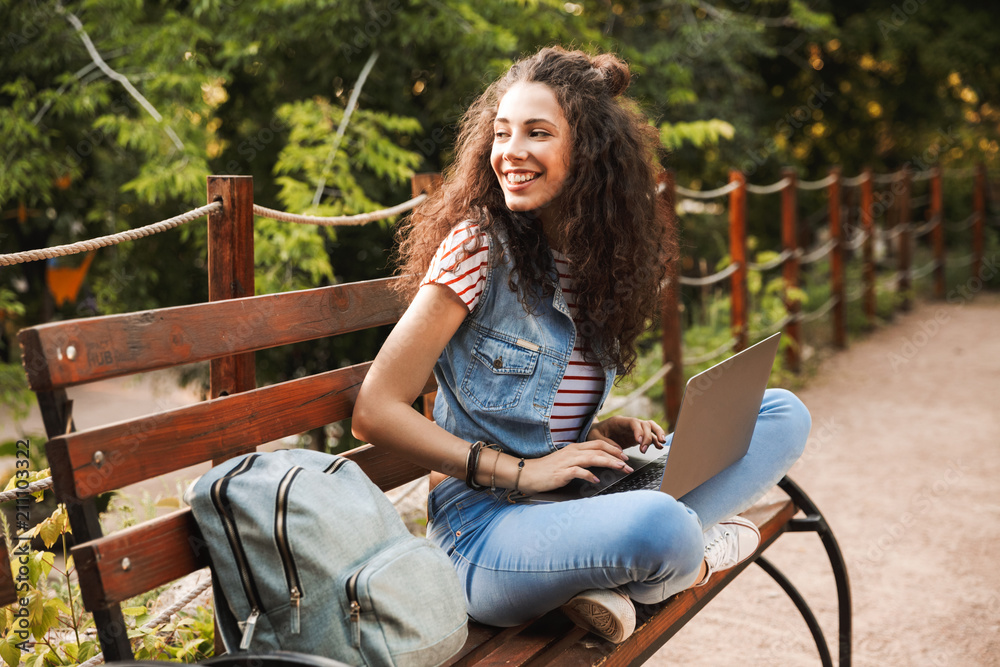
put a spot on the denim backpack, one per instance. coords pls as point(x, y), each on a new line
point(308, 555)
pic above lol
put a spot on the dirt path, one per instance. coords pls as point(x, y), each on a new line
point(904, 461)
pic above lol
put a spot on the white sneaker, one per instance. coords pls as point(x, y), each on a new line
point(729, 543)
point(604, 611)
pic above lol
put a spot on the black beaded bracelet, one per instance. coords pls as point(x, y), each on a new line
point(472, 465)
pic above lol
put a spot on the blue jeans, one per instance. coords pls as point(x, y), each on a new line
point(519, 560)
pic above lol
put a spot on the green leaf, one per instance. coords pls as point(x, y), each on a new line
point(88, 649)
point(134, 611)
point(10, 653)
point(49, 531)
point(72, 650)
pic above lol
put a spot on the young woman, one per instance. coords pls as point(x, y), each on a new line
point(532, 272)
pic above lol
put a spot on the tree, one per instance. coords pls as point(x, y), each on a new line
point(260, 87)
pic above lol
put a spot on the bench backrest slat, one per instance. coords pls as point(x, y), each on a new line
point(138, 559)
point(63, 354)
point(87, 463)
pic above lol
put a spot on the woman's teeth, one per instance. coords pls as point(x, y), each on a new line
point(515, 179)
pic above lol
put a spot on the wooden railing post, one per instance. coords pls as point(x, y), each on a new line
point(868, 224)
point(426, 183)
point(905, 218)
point(670, 317)
point(937, 235)
point(790, 269)
point(738, 255)
point(230, 272)
point(230, 275)
point(837, 262)
point(979, 211)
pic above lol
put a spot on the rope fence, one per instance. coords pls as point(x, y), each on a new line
point(897, 230)
point(34, 487)
point(164, 616)
point(772, 264)
point(112, 239)
point(859, 220)
point(170, 223)
point(712, 279)
point(709, 356)
point(340, 220)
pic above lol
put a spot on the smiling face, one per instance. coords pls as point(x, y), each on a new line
point(531, 149)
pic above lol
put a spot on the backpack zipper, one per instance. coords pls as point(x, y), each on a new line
point(221, 502)
point(295, 591)
point(352, 597)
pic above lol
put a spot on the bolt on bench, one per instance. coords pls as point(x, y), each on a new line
point(241, 416)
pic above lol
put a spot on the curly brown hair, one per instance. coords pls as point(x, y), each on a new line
point(615, 230)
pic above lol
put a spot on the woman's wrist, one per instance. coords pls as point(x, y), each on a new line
point(497, 469)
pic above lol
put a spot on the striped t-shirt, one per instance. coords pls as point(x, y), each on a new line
point(583, 383)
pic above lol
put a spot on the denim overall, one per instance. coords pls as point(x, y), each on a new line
point(497, 379)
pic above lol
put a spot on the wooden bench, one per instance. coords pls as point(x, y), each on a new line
point(241, 416)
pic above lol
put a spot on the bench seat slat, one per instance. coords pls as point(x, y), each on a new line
point(139, 449)
point(118, 345)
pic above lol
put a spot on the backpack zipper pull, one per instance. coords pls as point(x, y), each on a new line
point(248, 629)
point(356, 620)
point(296, 603)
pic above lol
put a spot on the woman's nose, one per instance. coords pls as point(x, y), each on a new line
point(515, 151)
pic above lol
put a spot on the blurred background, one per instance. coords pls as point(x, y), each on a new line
point(260, 87)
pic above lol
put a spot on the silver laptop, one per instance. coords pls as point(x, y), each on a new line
point(716, 421)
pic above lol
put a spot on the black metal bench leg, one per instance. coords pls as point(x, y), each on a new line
point(802, 606)
point(814, 522)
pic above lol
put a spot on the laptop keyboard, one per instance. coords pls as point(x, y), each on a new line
point(648, 477)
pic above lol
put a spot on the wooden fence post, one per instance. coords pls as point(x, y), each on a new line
point(937, 238)
point(670, 317)
point(790, 269)
point(426, 183)
point(905, 218)
point(230, 272)
point(979, 213)
point(868, 223)
point(738, 255)
point(837, 262)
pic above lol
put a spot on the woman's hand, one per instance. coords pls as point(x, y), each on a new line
point(559, 468)
point(628, 431)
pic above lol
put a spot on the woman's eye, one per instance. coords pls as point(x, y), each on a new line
point(540, 133)
point(499, 134)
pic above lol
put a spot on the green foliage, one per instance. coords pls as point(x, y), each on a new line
point(260, 87)
point(48, 625)
point(699, 133)
point(15, 395)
